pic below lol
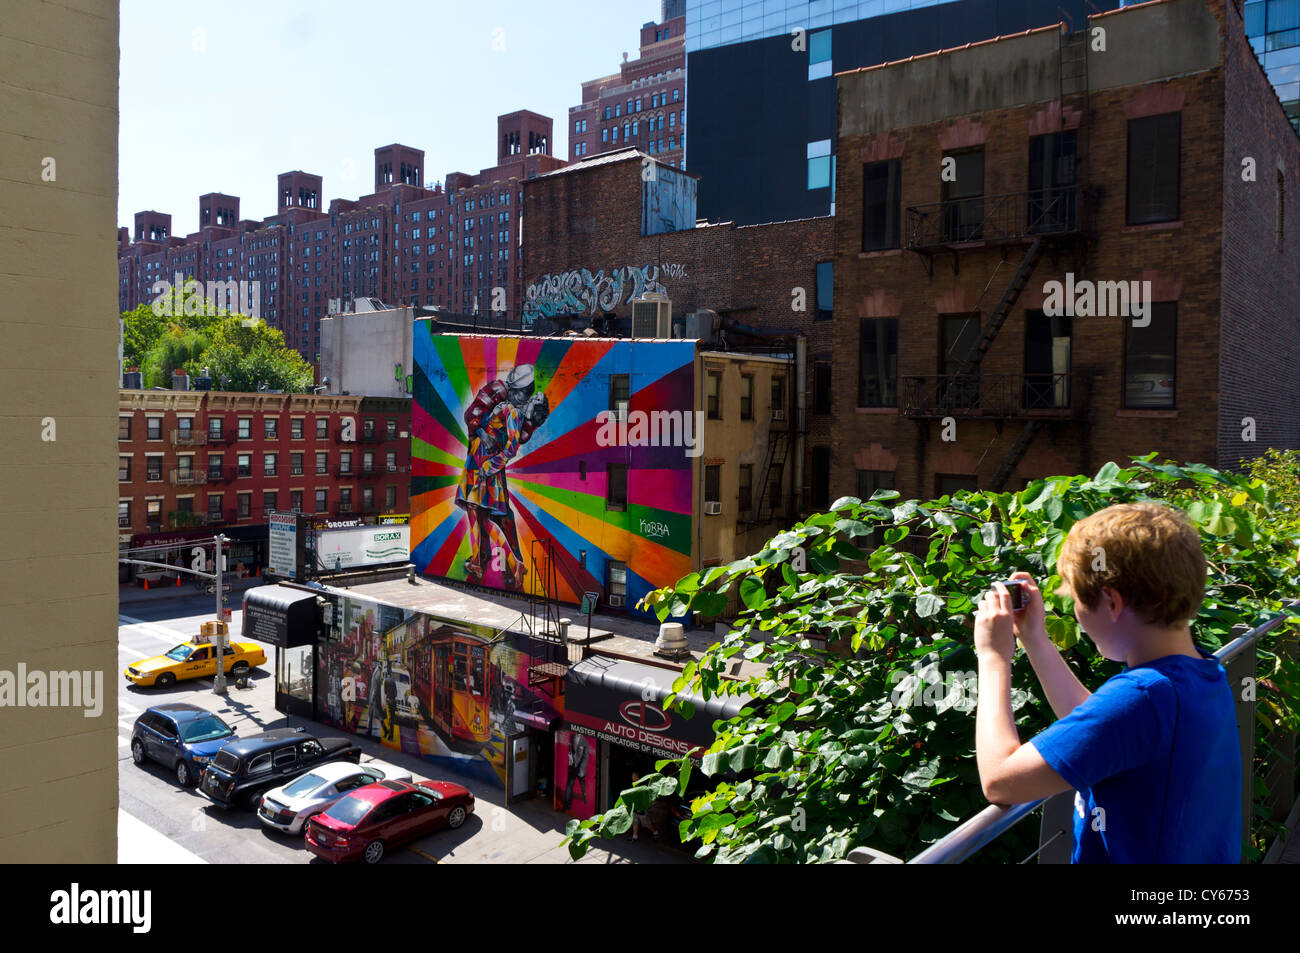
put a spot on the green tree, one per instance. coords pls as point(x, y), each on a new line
point(246, 354)
point(176, 348)
point(870, 740)
point(141, 330)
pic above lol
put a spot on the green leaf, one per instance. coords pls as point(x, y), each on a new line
point(928, 605)
point(752, 592)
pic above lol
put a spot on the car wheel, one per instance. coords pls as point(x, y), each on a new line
point(250, 800)
point(456, 817)
point(137, 752)
point(374, 852)
point(184, 773)
point(165, 680)
point(239, 669)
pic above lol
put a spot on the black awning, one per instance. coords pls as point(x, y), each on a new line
point(622, 701)
point(281, 616)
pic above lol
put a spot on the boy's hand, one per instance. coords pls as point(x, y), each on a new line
point(1030, 622)
point(993, 624)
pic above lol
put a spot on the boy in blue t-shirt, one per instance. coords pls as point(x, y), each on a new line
point(1153, 755)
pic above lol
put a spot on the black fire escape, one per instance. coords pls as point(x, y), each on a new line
point(1052, 217)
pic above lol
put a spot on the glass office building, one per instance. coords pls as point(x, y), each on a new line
point(1273, 27)
point(719, 22)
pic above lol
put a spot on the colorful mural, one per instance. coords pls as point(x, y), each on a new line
point(441, 690)
point(511, 469)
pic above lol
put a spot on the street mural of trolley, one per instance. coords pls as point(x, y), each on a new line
point(449, 678)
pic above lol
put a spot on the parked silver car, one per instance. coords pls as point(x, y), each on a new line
point(288, 807)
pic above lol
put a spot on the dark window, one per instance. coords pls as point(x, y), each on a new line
point(123, 428)
point(825, 290)
point(960, 332)
point(619, 385)
point(1047, 360)
point(946, 484)
point(745, 500)
point(878, 362)
point(1149, 359)
point(714, 400)
point(123, 469)
point(153, 428)
point(1154, 168)
point(774, 494)
point(869, 481)
point(821, 478)
point(616, 492)
point(963, 191)
point(713, 484)
point(322, 428)
point(882, 200)
point(153, 469)
point(295, 428)
point(778, 398)
point(821, 388)
point(746, 397)
point(1052, 199)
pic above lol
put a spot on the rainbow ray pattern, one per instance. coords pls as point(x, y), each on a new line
point(558, 479)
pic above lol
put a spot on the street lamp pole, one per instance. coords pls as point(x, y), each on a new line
point(219, 683)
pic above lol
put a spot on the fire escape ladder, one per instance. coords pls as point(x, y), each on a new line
point(778, 449)
point(970, 366)
point(543, 667)
point(1015, 455)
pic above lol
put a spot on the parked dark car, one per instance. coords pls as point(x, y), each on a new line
point(181, 736)
point(246, 769)
point(365, 823)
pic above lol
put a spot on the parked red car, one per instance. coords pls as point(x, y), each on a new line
point(373, 818)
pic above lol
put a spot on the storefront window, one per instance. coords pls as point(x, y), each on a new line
point(294, 675)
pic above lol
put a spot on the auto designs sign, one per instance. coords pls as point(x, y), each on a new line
point(363, 546)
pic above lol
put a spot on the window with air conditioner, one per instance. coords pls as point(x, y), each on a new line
point(616, 584)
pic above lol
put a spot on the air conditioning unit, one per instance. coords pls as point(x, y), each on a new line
point(778, 414)
point(652, 316)
point(712, 508)
point(615, 602)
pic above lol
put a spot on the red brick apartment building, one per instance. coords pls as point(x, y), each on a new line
point(1163, 158)
point(607, 230)
point(448, 246)
point(193, 462)
point(643, 105)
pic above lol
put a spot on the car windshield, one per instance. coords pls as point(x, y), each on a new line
point(304, 785)
point(349, 810)
point(209, 728)
point(180, 653)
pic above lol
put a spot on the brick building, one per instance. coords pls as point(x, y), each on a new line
point(643, 105)
point(450, 245)
point(1068, 168)
point(605, 231)
point(191, 462)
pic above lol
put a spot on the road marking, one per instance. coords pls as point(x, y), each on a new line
point(135, 652)
point(127, 706)
point(426, 856)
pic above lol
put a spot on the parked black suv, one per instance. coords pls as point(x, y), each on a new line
point(246, 769)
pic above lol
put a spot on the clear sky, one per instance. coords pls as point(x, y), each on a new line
point(223, 96)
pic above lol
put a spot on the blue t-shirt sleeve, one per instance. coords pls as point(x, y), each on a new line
point(1119, 727)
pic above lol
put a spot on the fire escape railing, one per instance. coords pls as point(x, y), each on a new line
point(1013, 216)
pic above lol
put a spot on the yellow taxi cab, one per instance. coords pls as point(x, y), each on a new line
point(193, 659)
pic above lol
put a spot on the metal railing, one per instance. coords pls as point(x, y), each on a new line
point(987, 395)
point(1055, 842)
point(994, 218)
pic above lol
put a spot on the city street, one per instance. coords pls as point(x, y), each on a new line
point(161, 822)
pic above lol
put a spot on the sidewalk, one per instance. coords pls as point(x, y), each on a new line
point(134, 593)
